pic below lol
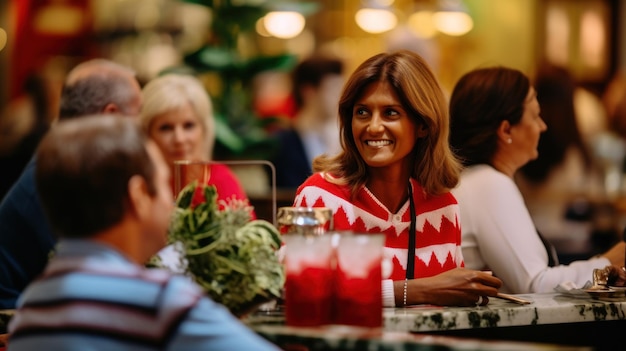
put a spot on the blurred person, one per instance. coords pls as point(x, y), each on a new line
point(394, 176)
point(26, 240)
point(554, 87)
point(614, 101)
point(95, 293)
point(178, 115)
point(610, 147)
point(495, 129)
point(314, 130)
point(272, 97)
point(22, 124)
point(560, 184)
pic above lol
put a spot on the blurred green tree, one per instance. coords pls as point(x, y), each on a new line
point(240, 133)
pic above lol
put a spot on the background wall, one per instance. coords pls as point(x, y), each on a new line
point(151, 34)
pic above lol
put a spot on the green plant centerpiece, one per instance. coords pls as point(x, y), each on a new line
point(233, 257)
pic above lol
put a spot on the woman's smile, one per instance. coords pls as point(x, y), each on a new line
point(384, 132)
point(378, 143)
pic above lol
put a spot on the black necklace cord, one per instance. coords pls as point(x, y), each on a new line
point(410, 260)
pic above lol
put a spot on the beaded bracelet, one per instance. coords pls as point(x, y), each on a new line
point(406, 281)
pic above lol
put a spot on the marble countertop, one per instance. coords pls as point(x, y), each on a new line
point(550, 318)
point(424, 327)
point(349, 338)
point(548, 308)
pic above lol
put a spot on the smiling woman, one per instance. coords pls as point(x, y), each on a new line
point(383, 132)
point(394, 176)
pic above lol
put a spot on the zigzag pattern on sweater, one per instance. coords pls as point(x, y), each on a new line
point(437, 224)
point(312, 195)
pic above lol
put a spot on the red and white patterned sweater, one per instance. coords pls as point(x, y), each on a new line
point(438, 240)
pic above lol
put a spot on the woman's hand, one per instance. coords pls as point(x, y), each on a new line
point(457, 287)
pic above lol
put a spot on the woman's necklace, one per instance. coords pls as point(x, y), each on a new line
point(410, 259)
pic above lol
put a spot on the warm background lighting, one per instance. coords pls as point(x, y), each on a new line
point(375, 20)
point(383, 3)
point(593, 41)
point(3, 39)
point(284, 24)
point(421, 24)
point(59, 19)
point(453, 23)
point(559, 34)
point(260, 28)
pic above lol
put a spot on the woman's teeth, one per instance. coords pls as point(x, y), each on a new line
point(378, 143)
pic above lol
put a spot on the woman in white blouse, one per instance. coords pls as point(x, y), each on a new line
point(495, 129)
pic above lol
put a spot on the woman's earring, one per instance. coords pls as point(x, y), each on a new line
point(509, 140)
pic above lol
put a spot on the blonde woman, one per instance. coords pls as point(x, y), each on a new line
point(178, 115)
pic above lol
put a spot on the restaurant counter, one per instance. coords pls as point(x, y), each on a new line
point(349, 338)
point(551, 318)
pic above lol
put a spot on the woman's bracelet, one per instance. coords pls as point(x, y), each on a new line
point(406, 282)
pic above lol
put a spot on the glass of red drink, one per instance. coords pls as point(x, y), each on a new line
point(309, 264)
point(358, 277)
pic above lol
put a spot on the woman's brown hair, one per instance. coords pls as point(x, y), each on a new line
point(435, 166)
point(480, 101)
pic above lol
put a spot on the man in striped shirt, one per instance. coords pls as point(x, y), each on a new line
point(105, 189)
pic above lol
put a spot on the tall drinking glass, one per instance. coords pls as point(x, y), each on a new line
point(309, 263)
point(358, 276)
point(186, 171)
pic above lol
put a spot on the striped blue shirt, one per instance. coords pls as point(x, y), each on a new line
point(90, 297)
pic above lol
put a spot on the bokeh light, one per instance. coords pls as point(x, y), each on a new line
point(454, 23)
point(284, 24)
point(3, 38)
point(421, 24)
point(375, 20)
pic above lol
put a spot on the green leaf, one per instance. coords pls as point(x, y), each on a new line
point(304, 7)
point(243, 18)
point(211, 58)
point(207, 3)
point(231, 257)
point(186, 195)
point(225, 135)
point(258, 64)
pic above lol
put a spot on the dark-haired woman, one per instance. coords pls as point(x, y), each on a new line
point(495, 129)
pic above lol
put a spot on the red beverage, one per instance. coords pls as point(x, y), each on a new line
point(308, 297)
point(358, 299)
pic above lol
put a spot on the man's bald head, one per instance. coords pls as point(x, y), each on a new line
point(100, 86)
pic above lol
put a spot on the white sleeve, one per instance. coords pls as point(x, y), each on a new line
point(389, 298)
point(508, 240)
